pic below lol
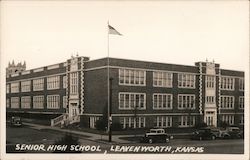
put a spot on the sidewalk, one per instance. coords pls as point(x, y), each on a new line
point(86, 135)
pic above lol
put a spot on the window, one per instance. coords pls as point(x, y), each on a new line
point(227, 83)
point(133, 122)
point(132, 100)
point(162, 101)
point(25, 86)
point(7, 88)
point(14, 87)
point(64, 101)
point(210, 99)
point(53, 101)
point(162, 79)
point(227, 102)
point(38, 84)
point(132, 77)
point(7, 103)
point(229, 119)
point(186, 121)
point(241, 84)
point(241, 102)
point(53, 82)
point(25, 102)
point(92, 121)
point(15, 102)
point(74, 83)
point(64, 82)
point(210, 81)
point(186, 80)
point(186, 101)
point(241, 120)
point(163, 121)
point(38, 102)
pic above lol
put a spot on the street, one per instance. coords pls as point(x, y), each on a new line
point(44, 139)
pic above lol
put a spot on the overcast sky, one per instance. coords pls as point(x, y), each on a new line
point(44, 33)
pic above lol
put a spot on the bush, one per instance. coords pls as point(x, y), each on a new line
point(101, 125)
point(68, 140)
point(200, 125)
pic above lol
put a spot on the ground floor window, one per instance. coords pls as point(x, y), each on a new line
point(229, 119)
point(133, 122)
point(92, 121)
point(163, 121)
point(241, 120)
point(7, 103)
point(186, 121)
point(14, 102)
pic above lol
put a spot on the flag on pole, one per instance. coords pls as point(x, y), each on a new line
point(112, 30)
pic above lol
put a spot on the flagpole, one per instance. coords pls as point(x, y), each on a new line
point(108, 84)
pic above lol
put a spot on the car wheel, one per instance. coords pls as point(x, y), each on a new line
point(167, 140)
point(213, 137)
point(150, 141)
point(200, 138)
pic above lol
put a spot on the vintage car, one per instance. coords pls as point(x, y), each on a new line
point(205, 134)
point(232, 132)
point(16, 121)
point(156, 135)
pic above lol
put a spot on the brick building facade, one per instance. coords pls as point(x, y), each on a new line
point(144, 94)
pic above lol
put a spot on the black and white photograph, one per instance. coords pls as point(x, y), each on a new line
point(124, 79)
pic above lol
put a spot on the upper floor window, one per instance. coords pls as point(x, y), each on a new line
point(38, 102)
point(14, 87)
point(25, 86)
point(210, 81)
point(53, 101)
point(210, 99)
point(162, 79)
point(162, 101)
point(7, 103)
point(227, 83)
point(7, 88)
point(132, 77)
point(186, 80)
point(241, 84)
point(186, 101)
point(64, 81)
point(25, 102)
point(38, 84)
point(74, 83)
point(132, 100)
point(227, 102)
point(241, 102)
point(53, 82)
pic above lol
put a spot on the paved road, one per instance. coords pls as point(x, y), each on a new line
point(26, 135)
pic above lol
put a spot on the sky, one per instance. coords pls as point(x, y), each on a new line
point(178, 32)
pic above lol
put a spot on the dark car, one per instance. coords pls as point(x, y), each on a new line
point(204, 134)
point(16, 121)
point(232, 132)
point(155, 135)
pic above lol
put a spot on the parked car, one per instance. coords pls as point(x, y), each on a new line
point(155, 135)
point(232, 132)
point(16, 121)
point(205, 133)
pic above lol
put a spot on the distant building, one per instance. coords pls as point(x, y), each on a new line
point(144, 94)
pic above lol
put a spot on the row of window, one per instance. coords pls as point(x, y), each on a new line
point(163, 121)
point(165, 79)
point(127, 77)
point(38, 85)
point(163, 101)
point(53, 102)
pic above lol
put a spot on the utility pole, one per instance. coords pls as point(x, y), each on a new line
point(110, 110)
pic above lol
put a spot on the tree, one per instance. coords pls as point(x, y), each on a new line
point(102, 123)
